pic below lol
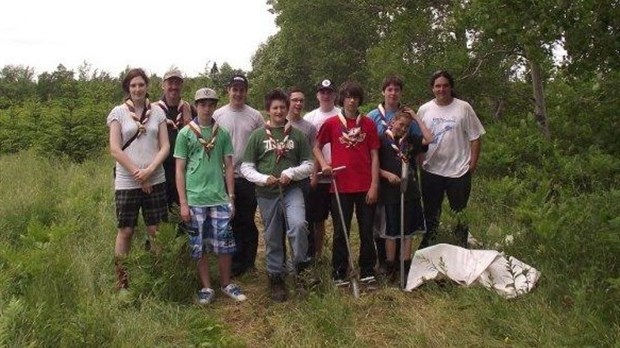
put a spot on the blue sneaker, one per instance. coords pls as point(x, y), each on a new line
point(206, 296)
point(234, 291)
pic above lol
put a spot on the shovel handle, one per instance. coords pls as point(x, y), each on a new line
point(334, 170)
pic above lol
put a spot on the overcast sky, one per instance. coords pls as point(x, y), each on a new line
point(113, 34)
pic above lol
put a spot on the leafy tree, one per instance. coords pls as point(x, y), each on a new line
point(16, 85)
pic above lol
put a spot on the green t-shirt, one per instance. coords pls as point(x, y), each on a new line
point(204, 175)
point(260, 151)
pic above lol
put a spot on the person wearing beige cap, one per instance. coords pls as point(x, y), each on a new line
point(205, 195)
point(178, 113)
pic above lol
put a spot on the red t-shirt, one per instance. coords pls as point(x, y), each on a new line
point(354, 152)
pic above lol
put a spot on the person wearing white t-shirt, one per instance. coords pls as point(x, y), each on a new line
point(451, 158)
point(319, 197)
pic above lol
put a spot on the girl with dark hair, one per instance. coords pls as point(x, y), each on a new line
point(139, 144)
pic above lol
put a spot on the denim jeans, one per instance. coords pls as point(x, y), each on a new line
point(272, 211)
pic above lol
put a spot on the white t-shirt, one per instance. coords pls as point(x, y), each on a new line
point(453, 127)
point(317, 118)
point(239, 124)
point(142, 150)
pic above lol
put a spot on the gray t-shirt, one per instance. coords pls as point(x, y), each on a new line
point(239, 124)
point(307, 128)
point(142, 150)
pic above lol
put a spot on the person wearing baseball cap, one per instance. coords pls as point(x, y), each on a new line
point(318, 196)
point(238, 79)
point(178, 113)
point(205, 196)
point(240, 120)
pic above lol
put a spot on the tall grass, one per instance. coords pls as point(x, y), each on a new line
point(56, 269)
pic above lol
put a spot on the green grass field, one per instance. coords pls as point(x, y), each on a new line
point(57, 280)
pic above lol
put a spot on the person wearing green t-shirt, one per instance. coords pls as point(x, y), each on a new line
point(206, 193)
point(276, 158)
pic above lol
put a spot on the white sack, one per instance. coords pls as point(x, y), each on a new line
point(508, 277)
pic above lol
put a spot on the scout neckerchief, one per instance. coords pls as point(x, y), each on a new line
point(398, 148)
point(351, 136)
point(382, 117)
point(279, 146)
point(208, 144)
point(178, 122)
point(143, 119)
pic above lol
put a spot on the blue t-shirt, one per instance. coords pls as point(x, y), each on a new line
point(375, 115)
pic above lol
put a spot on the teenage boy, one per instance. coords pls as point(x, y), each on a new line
point(319, 197)
point(276, 158)
point(240, 120)
point(451, 158)
point(392, 91)
point(354, 144)
point(205, 195)
point(296, 105)
point(398, 149)
point(178, 114)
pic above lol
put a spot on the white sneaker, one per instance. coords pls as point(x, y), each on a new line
point(234, 291)
point(206, 296)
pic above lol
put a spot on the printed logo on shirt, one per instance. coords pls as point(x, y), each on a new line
point(352, 137)
point(273, 145)
point(439, 127)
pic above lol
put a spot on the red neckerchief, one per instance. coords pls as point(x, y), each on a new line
point(208, 144)
point(279, 146)
point(351, 136)
point(143, 119)
point(178, 122)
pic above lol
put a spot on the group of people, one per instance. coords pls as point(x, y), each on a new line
point(219, 164)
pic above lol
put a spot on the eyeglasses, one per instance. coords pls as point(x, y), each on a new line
point(297, 100)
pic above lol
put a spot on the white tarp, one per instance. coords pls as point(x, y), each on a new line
point(508, 277)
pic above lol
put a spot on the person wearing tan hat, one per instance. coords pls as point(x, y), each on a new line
point(240, 120)
point(178, 114)
point(205, 195)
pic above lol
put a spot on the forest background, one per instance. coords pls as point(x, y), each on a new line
point(541, 75)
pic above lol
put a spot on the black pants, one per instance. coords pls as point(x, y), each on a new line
point(365, 214)
point(243, 226)
point(171, 185)
point(433, 189)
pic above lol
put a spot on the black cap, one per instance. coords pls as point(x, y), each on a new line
point(326, 84)
point(238, 79)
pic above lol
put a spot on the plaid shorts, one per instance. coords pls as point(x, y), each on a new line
point(129, 202)
point(209, 230)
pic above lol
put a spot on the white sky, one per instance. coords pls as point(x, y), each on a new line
point(113, 34)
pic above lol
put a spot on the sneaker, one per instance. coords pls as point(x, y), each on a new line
point(234, 291)
point(341, 282)
point(206, 296)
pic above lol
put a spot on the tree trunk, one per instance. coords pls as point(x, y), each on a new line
point(540, 107)
point(499, 108)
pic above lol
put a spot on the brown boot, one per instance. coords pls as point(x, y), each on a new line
point(122, 279)
point(277, 287)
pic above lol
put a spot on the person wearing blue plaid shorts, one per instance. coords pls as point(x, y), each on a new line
point(206, 194)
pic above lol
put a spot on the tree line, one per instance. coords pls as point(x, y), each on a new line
point(554, 61)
